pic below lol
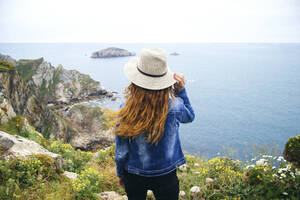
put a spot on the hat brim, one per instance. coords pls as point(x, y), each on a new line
point(147, 82)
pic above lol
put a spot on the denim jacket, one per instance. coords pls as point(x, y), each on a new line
point(137, 156)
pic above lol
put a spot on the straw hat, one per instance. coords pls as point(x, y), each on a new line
point(150, 70)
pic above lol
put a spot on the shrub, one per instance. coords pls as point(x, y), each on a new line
point(276, 182)
point(101, 157)
point(292, 150)
point(105, 155)
point(13, 126)
point(265, 177)
point(20, 126)
point(87, 184)
point(6, 67)
point(20, 173)
point(75, 159)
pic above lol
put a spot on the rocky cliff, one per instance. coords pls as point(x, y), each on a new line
point(29, 89)
point(20, 98)
point(90, 128)
point(57, 85)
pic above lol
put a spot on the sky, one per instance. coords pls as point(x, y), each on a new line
point(149, 21)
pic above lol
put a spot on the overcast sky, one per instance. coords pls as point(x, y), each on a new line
point(150, 21)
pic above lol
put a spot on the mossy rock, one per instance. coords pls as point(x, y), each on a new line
point(291, 150)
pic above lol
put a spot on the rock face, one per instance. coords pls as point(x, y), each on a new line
point(8, 59)
point(6, 110)
point(112, 52)
point(20, 98)
point(27, 90)
point(89, 126)
point(18, 146)
point(57, 85)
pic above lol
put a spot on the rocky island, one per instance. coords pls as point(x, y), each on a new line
point(112, 52)
point(174, 54)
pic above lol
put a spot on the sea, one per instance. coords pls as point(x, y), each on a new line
point(246, 96)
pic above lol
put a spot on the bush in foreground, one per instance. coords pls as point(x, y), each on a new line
point(75, 159)
point(20, 173)
point(222, 178)
point(292, 150)
point(87, 184)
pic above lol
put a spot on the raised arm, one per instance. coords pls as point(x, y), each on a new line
point(187, 110)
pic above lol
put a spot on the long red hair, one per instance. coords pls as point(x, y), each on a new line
point(145, 111)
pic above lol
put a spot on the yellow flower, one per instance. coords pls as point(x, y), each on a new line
point(259, 178)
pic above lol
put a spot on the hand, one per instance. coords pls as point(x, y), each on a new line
point(179, 85)
point(121, 183)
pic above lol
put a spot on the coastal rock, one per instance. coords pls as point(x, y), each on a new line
point(19, 97)
point(25, 103)
point(6, 110)
point(27, 91)
point(8, 59)
point(56, 84)
point(15, 145)
point(90, 128)
point(112, 52)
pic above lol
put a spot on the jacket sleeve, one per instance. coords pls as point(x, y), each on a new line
point(187, 110)
point(121, 154)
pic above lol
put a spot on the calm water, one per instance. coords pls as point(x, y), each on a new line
point(242, 93)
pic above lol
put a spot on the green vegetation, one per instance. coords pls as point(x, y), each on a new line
point(223, 178)
point(91, 113)
point(26, 67)
point(87, 184)
point(48, 125)
point(6, 67)
point(55, 81)
point(20, 126)
point(292, 150)
point(75, 159)
point(86, 80)
point(14, 126)
point(43, 90)
point(263, 177)
point(21, 173)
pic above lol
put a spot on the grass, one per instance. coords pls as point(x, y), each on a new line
point(13, 126)
point(50, 190)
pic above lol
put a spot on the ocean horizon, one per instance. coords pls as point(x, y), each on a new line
point(242, 93)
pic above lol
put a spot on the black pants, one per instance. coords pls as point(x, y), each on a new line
point(165, 187)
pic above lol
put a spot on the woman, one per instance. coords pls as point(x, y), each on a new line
point(148, 149)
